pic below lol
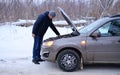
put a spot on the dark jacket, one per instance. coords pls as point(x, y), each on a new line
point(42, 23)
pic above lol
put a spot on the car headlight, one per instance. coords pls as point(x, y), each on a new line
point(48, 44)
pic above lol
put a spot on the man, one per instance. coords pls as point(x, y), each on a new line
point(40, 27)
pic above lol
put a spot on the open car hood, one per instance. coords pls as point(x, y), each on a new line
point(66, 17)
point(74, 33)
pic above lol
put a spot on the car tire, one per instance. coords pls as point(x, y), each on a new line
point(68, 60)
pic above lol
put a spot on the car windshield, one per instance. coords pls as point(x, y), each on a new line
point(90, 26)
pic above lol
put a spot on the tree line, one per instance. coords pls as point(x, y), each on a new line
point(12, 10)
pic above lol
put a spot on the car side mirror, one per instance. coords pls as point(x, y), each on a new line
point(95, 35)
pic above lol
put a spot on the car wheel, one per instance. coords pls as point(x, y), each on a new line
point(68, 60)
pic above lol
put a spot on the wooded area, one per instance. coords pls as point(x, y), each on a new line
point(12, 10)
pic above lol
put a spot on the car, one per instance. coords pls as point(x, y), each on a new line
point(98, 42)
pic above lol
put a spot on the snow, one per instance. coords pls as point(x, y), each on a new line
point(16, 45)
point(20, 21)
point(65, 23)
point(61, 22)
point(15, 38)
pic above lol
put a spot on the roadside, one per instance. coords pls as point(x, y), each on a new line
point(16, 55)
point(24, 66)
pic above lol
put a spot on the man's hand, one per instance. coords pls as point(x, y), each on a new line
point(33, 35)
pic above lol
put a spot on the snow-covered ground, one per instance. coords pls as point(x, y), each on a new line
point(18, 39)
point(16, 45)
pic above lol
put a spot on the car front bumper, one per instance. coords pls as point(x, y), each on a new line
point(48, 53)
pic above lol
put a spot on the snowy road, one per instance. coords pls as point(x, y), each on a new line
point(24, 66)
point(16, 52)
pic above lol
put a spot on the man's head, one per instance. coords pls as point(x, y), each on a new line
point(52, 14)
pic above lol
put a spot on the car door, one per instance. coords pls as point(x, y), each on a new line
point(106, 47)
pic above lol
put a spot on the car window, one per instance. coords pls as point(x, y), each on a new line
point(111, 28)
point(104, 29)
point(91, 26)
point(115, 28)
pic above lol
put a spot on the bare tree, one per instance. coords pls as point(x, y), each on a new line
point(11, 10)
point(106, 7)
